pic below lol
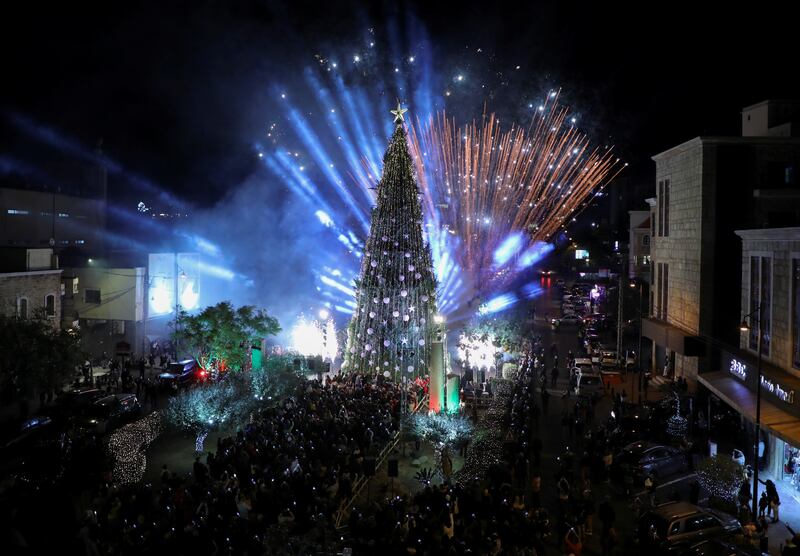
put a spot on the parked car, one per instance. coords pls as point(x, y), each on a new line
point(675, 526)
point(69, 403)
point(722, 547)
point(567, 320)
point(640, 459)
point(37, 454)
point(183, 373)
point(560, 283)
point(106, 414)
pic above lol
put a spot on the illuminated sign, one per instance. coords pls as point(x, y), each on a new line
point(739, 369)
point(786, 396)
point(581, 254)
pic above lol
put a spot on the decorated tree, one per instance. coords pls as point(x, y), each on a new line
point(392, 326)
point(276, 378)
point(444, 431)
point(220, 336)
point(721, 476)
point(199, 409)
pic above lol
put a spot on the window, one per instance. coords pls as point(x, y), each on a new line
point(50, 305)
point(660, 207)
point(665, 292)
point(19, 212)
point(795, 300)
point(662, 274)
point(91, 296)
point(22, 307)
point(665, 231)
point(760, 296)
point(646, 240)
point(663, 208)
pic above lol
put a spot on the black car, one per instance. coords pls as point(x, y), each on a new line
point(673, 527)
point(37, 454)
point(72, 402)
point(183, 373)
point(106, 414)
point(722, 547)
point(641, 459)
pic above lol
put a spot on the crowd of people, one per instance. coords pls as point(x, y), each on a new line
point(284, 475)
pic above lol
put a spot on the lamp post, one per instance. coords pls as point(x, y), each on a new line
point(746, 328)
point(639, 352)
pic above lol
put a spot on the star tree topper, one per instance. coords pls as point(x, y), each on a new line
point(398, 114)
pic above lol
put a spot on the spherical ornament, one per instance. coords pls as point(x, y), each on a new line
point(373, 264)
point(425, 298)
point(405, 318)
point(385, 253)
point(367, 347)
point(417, 275)
point(410, 368)
point(386, 300)
point(422, 320)
point(370, 331)
point(386, 364)
point(403, 293)
point(372, 314)
point(384, 238)
point(411, 268)
point(352, 350)
point(408, 255)
point(386, 343)
point(375, 300)
point(395, 314)
point(402, 278)
point(396, 244)
point(386, 374)
point(421, 342)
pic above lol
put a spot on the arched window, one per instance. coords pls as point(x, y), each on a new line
point(22, 307)
point(50, 305)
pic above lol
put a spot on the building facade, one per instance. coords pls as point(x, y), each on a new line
point(30, 284)
point(707, 188)
point(108, 305)
point(37, 219)
point(639, 245)
point(770, 307)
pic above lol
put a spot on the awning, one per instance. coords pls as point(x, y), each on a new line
point(733, 392)
point(672, 337)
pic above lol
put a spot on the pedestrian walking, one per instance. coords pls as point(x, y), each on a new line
point(650, 486)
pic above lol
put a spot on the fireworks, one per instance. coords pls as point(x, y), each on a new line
point(478, 351)
point(312, 338)
point(498, 193)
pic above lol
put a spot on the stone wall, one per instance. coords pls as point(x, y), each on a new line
point(34, 286)
point(782, 251)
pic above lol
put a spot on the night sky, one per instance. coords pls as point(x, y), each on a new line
point(179, 90)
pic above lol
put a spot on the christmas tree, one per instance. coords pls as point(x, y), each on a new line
point(392, 327)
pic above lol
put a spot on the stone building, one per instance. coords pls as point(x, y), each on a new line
point(107, 304)
point(639, 245)
point(706, 188)
point(30, 284)
point(769, 298)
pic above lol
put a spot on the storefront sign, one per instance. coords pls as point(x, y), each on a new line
point(738, 368)
point(773, 387)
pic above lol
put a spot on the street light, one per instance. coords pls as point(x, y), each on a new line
point(745, 327)
point(639, 353)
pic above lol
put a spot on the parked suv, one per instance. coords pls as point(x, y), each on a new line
point(183, 373)
point(106, 414)
point(672, 527)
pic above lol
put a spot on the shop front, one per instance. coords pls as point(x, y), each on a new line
point(779, 446)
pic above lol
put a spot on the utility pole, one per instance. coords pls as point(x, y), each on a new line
point(620, 296)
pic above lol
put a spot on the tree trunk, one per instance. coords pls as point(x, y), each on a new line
point(200, 440)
